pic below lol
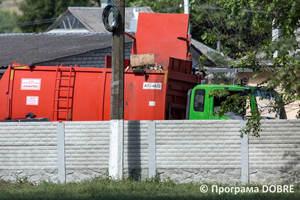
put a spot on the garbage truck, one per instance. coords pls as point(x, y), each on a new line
point(73, 93)
point(64, 93)
point(159, 82)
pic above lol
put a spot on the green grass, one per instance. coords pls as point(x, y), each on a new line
point(105, 188)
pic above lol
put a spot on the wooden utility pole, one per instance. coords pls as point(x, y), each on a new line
point(117, 97)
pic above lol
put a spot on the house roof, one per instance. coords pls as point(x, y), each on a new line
point(212, 54)
point(91, 17)
point(42, 47)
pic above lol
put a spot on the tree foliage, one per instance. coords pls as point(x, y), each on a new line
point(6, 19)
point(282, 53)
point(212, 23)
point(34, 10)
point(239, 104)
point(277, 55)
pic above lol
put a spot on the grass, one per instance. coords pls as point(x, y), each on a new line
point(105, 188)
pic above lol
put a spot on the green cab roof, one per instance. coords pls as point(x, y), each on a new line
point(238, 87)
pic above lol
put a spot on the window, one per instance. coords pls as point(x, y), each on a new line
point(233, 114)
point(266, 104)
point(199, 100)
point(71, 22)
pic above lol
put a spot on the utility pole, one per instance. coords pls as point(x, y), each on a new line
point(117, 97)
point(187, 11)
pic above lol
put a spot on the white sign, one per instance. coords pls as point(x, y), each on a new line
point(151, 103)
point(32, 100)
point(153, 86)
point(31, 84)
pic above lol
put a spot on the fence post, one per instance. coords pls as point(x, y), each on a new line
point(61, 152)
point(151, 149)
point(116, 148)
point(245, 155)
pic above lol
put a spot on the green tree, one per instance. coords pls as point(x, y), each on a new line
point(35, 10)
point(278, 56)
point(7, 19)
point(212, 23)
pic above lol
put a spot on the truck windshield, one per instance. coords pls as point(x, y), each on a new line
point(265, 101)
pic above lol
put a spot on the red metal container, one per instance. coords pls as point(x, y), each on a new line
point(83, 94)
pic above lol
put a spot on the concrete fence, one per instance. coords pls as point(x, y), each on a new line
point(182, 150)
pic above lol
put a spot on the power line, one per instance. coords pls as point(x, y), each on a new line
point(43, 21)
point(30, 23)
point(50, 20)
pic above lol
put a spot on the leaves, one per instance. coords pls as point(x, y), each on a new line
point(34, 10)
point(252, 125)
point(6, 20)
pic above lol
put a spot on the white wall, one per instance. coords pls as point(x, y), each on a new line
point(197, 151)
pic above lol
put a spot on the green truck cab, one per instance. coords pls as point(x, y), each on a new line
point(201, 106)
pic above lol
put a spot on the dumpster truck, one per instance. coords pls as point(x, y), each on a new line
point(157, 81)
point(64, 93)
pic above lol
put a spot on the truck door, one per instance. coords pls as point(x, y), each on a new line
point(199, 105)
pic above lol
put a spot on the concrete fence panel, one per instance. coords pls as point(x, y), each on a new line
point(28, 150)
point(182, 150)
point(276, 153)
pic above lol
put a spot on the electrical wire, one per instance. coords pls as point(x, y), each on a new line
point(50, 20)
point(30, 23)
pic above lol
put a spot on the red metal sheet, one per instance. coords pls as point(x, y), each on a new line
point(145, 96)
point(158, 33)
point(32, 90)
point(4, 91)
point(108, 62)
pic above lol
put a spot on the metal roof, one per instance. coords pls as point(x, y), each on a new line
point(42, 47)
point(212, 54)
